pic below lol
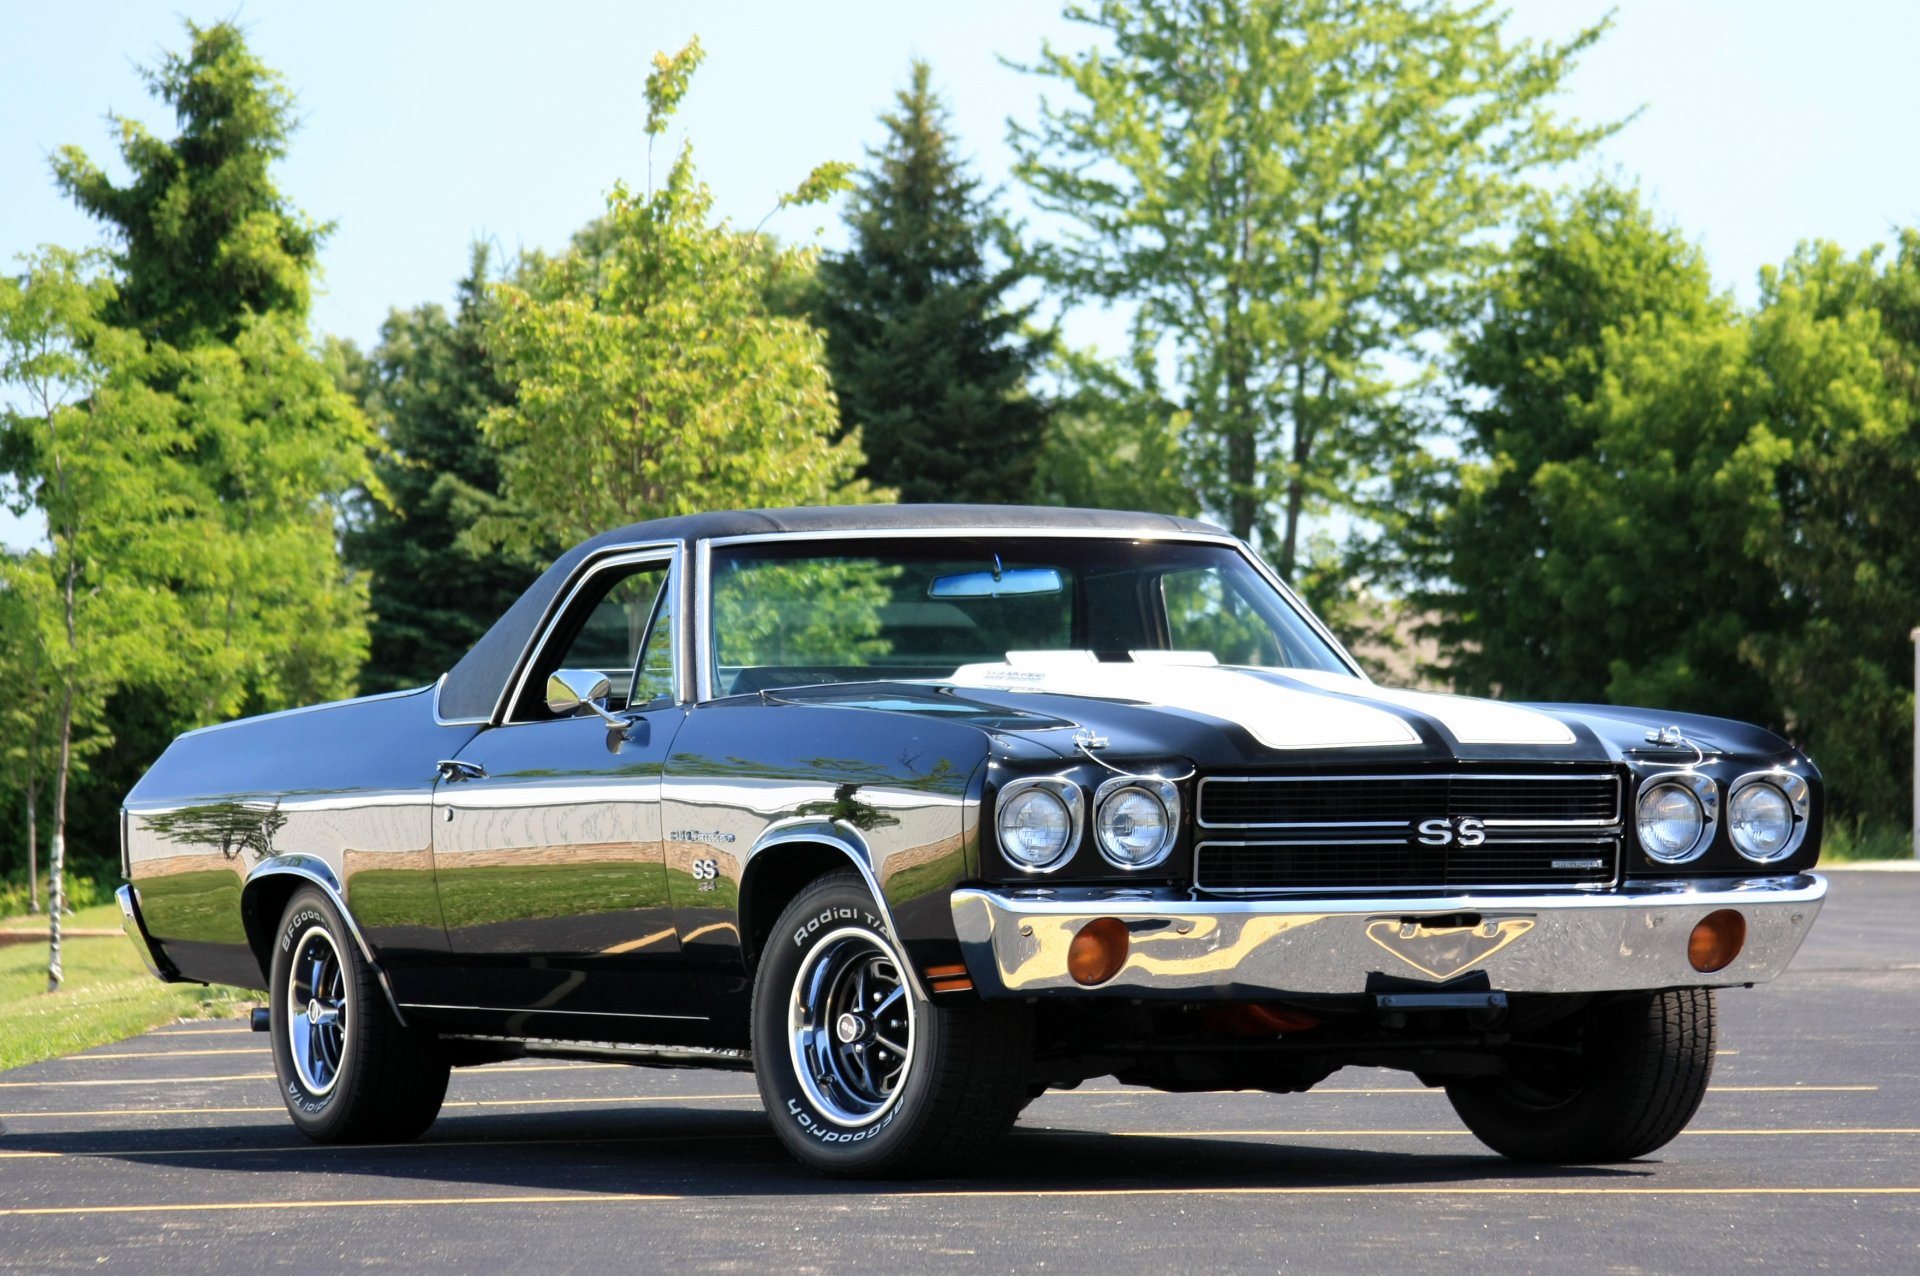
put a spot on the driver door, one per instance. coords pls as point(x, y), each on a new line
point(547, 837)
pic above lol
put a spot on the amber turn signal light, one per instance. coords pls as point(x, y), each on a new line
point(1098, 951)
point(1717, 939)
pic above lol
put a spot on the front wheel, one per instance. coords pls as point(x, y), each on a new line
point(349, 1071)
point(861, 1077)
point(1611, 1083)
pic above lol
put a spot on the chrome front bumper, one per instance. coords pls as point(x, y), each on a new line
point(1016, 941)
point(136, 928)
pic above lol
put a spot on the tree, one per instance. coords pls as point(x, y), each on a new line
point(27, 713)
point(426, 387)
point(649, 377)
point(215, 265)
point(1835, 448)
point(928, 354)
point(206, 237)
point(1291, 195)
point(1590, 542)
point(95, 446)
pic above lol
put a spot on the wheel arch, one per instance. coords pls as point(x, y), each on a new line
point(263, 898)
point(782, 863)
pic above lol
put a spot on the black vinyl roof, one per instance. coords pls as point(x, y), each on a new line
point(473, 686)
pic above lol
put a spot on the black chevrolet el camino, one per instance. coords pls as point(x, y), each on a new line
point(919, 811)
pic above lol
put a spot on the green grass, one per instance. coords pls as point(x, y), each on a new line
point(108, 994)
point(1848, 841)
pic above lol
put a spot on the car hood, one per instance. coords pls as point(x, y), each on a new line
point(1219, 716)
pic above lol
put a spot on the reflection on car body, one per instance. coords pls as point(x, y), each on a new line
point(919, 811)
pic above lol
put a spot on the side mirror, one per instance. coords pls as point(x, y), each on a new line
point(568, 689)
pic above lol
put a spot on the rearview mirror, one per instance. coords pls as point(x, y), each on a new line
point(568, 689)
point(1019, 580)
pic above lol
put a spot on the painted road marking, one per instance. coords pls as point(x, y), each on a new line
point(1022, 1194)
point(302, 1148)
point(1368, 1133)
point(515, 1069)
point(450, 1103)
point(163, 1054)
point(458, 1144)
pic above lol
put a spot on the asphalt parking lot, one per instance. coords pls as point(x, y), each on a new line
point(172, 1150)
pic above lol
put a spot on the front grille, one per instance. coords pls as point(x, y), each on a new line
point(1364, 833)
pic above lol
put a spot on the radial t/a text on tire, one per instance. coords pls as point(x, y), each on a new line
point(859, 1075)
point(349, 1071)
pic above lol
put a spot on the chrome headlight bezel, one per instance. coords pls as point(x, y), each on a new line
point(1799, 796)
point(1067, 792)
point(1706, 796)
point(1163, 791)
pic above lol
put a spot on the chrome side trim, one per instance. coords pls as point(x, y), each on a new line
point(613, 556)
point(306, 708)
point(1016, 942)
point(549, 1010)
point(655, 1056)
point(317, 871)
point(788, 832)
point(136, 930)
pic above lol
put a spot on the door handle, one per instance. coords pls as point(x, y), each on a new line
point(453, 769)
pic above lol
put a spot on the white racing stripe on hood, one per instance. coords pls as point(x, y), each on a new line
point(1468, 720)
point(1279, 717)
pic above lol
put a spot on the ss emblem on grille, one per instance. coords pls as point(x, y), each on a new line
point(1464, 831)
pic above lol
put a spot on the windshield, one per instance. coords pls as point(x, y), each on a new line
point(797, 613)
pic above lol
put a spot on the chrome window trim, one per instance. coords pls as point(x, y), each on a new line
point(439, 721)
point(612, 557)
point(1799, 800)
point(1704, 791)
point(703, 573)
point(1068, 790)
point(1199, 800)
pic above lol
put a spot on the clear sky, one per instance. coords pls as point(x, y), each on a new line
point(426, 126)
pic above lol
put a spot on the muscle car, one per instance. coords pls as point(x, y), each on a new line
point(919, 811)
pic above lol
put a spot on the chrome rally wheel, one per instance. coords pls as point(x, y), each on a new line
point(317, 1023)
point(850, 1026)
point(859, 1075)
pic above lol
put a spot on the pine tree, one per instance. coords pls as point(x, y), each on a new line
point(929, 359)
point(427, 385)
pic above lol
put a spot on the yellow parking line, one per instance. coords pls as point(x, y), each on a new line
point(450, 1103)
point(1020, 1194)
point(513, 1069)
point(301, 1149)
point(163, 1054)
point(1368, 1133)
point(1414, 1089)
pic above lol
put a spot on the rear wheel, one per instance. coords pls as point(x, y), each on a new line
point(349, 1071)
point(861, 1077)
point(1611, 1083)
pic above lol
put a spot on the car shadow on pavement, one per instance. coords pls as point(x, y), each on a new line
point(696, 1151)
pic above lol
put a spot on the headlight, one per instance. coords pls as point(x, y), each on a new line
point(1676, 816)
point(1767, 815)
point(1039, 822)
point(1135, 820)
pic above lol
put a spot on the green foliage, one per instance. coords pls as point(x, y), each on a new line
point(426, 386)
point(1607, 392)
point(1663, 501)
point(1108, 448)
point(1290, 194)
point(649, 377)
point(206, 237)
point(928, 355)
point(1836, 442)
